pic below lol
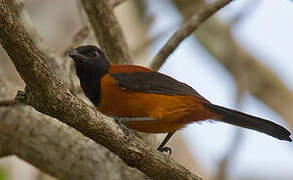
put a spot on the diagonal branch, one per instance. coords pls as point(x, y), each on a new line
point(52, 146)
point(57, 63)
point(261, 82)
point(55, 149)
point(48, 95)
point(53, 60)
point(107, 30)
point(185, 30)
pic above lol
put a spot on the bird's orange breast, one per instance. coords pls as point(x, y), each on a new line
point(172, 112)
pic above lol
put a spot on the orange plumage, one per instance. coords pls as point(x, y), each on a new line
point(173, 112)
point(152, 102)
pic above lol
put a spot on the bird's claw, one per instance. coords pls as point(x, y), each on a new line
point(166, 149)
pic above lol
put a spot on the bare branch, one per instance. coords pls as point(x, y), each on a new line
point(18, 8)
point(56, 148)
point(52, 146)
point(185, 30)
point(58, 64)
point(53, 60)
point(261, 82)
point(48, 95)
point(107, 30)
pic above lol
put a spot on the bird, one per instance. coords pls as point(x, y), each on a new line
point(152, 102)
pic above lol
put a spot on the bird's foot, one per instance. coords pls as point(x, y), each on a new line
point(165, 149)
point(122, 125)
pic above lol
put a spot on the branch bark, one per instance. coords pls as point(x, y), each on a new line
point(48, 95)
point(122, 171)
point(107, 30)
point(57, 149)
point(22, 16)
point(58, 64)
point(185, 30)
point(54, 147)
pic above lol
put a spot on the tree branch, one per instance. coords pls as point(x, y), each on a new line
point(107, 30)
point(48, 95)
point(59, 64)
point(122, 171)
point(55, 62)
point(261, 82)
point(56, 149)
point(185, 30)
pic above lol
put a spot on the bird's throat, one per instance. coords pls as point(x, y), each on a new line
point(92, 89)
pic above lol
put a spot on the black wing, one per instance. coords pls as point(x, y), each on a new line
point(154, 82)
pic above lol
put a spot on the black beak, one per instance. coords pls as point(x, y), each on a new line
point(74, 54)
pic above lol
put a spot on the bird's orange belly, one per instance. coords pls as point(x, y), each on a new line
point(168, 112)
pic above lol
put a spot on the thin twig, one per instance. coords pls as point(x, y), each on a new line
point(185, 30)
point(262, 82)
point(108, 31)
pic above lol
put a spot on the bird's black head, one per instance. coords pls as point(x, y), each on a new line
point(89, 62)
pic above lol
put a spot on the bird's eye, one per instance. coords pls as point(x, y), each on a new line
point(95, 54)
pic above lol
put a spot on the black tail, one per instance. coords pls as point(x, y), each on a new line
point(251, 122)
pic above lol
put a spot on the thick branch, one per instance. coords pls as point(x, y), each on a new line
point(53, 60)
point(58, 63)
point(185, 30)
point(48, 95)
point(107, 30)
point(56, 149)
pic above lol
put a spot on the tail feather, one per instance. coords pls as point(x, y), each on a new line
point(251, 122)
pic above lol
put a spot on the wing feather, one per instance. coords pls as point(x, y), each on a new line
point(153, 82)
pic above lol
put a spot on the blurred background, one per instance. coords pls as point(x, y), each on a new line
point(241, 58)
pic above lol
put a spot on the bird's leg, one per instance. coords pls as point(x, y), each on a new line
point(162, 147)
point(122, 120)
